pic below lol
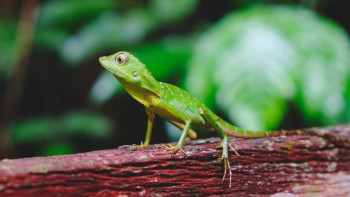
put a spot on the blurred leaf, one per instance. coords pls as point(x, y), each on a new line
point(57, 148)
point(254, 2)
point(105, 87)
point(347, 100)
point(108, 31)
point(87, 123)
point(7, 45)
point(34, 130)
point(49, 130)
point(257, 60)
point(67, 13)
point(173, 133)
point(165, 56)
point(51, 38)
point(111, 30)
point(58, 18)
point(172, 10)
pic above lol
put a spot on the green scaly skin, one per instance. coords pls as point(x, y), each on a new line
point(180, 108)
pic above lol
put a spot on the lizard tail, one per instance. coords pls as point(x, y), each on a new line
point(239, 132)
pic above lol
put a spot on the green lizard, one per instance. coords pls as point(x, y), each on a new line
point(179, 107)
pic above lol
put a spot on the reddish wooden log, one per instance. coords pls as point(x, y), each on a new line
point(277, 165)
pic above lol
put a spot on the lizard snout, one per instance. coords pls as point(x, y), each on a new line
point(102, 59)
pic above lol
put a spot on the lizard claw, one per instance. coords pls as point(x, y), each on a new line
point(233, 149)
point(226, 166)
point(170, 147)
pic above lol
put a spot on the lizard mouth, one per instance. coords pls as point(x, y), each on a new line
point(104, 61)
point(122, 75)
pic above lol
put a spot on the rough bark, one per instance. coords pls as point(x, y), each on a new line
point(284, 165)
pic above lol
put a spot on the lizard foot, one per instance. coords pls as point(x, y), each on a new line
point(229, 145)
point(226, 166)
point(170, 147)
point(136, 146)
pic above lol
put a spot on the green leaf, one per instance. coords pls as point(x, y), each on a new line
point(347, 100)
point(172, 10)
point(166, 55)
point(59, 18)
point(86, 123)
point(254, 2)
point(68, 13)
point(104, 88)
point(114, 31)
point(48, 129)
point(57, 148)
point(7, 45)
point(34, 130)
point(51, 38)
point(107, 32)
point(256, 61)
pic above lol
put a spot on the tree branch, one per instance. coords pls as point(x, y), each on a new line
point(277, 165)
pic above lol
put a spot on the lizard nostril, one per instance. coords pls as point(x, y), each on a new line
point(134, 74)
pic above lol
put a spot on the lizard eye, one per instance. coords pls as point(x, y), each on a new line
point(121, 58)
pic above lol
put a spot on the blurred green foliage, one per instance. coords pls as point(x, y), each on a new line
point(7, 46)
point(261, 59)
point(257, 62)
point(115, 25)
point(53, 131)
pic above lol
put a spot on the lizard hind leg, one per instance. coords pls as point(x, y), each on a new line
point(224, 143)
point(224, 158)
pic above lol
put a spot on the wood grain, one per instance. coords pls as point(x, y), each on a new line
point(286, 165)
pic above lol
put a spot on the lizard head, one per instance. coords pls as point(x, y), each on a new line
point(125, 66)
point(132, 74)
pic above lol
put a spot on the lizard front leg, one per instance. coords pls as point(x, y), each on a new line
point(192, 134)
point(182, 139)
point(150, 121)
